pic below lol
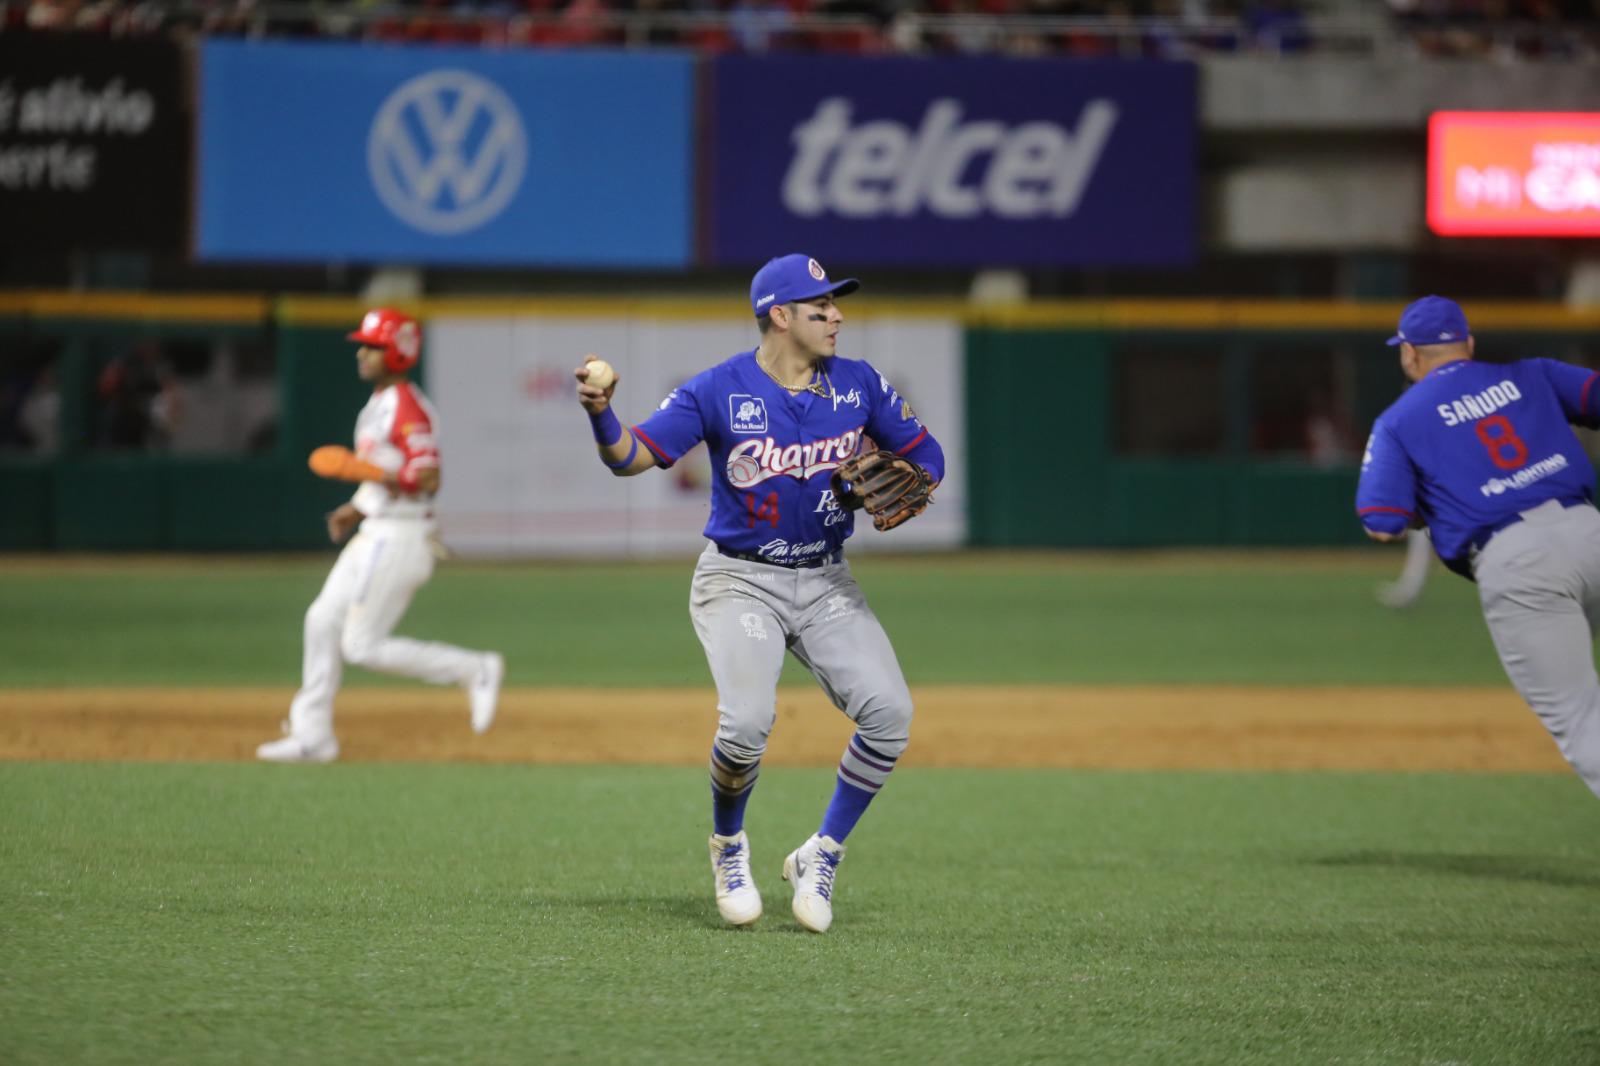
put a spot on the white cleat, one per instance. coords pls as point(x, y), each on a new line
point(810, 868)
point(485, 691)
point(293, 749)
point(738, 901)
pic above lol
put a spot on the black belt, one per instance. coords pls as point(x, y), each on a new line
point(835, 556)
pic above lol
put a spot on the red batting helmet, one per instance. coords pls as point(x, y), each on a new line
point(397, 334)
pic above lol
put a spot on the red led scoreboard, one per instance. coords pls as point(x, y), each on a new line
point(1514, 174)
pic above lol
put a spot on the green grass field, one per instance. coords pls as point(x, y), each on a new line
point(438, 914)
point(1147, 618)
point(455, 914)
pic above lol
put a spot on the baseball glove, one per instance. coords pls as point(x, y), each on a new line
point(894, 490)
point(340, 463)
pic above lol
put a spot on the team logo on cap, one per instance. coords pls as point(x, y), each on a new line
point(408, 340)
point(816, 269)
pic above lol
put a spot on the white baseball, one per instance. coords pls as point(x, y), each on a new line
point(601, 376)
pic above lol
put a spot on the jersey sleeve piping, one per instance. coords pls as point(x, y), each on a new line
point(914, 442)
point(655, 449)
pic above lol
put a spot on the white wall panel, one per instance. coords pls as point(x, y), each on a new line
point(521, 474)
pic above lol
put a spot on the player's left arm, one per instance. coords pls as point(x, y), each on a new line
point(414, 435)
point(1386, 496)
point(895, 426)
point(1578, 389)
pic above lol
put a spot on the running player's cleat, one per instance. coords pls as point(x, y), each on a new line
point(738, 901)
point(485, 691)
point(294, 749)
point(811, 868)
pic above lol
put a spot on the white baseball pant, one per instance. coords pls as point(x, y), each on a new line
point(352, 619)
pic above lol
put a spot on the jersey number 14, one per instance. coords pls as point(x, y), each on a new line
point(764, 511)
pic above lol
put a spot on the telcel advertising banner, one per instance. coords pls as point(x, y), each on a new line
point(1514, 174)
point(312, 151)
point(952, 162)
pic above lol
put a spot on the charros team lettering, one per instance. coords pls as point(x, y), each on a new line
point(1479, 404)
point(948, 167)
point(754, 461)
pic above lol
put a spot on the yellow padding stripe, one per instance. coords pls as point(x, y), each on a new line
point(136, 305)
point(1113, 315)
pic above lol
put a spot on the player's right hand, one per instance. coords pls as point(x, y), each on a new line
point(593, 400)
point(342, 520)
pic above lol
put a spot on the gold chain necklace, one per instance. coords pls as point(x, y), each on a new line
point(814, 385)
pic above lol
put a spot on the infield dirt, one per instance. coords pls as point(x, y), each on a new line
point(1344, 728)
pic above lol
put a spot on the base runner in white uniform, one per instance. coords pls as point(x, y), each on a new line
point(353, 619)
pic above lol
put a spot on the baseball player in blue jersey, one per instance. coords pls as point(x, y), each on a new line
point(1485, 457)
point(780, 421)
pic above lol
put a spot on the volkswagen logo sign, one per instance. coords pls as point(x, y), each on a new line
point(447, 152)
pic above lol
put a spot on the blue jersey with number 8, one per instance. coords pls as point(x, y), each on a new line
point(1472, 445)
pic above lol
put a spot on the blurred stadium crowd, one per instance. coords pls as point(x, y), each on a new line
point(1506, 29)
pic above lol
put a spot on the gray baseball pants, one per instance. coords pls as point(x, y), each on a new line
point(1539, 582)
point(748, 614)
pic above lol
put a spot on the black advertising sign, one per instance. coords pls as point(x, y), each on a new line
point(94, 141)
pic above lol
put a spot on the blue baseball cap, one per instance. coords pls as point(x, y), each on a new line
point(794, 277)
point(1431, 320)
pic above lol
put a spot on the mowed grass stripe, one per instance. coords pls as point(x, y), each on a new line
point(991, 726)
point(377, 914)
point(974, 619)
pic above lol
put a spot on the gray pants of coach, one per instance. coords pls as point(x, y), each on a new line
point(1539, 582)
point(749, 614)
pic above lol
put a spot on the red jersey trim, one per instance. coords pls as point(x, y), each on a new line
point(1385, 510)
point(411, 418)
point(915, 441)
point(655, 449)
point(408, 410)
point(1583, 397)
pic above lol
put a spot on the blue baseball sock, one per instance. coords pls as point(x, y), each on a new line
point(727, 812)
point(849, 803)
point(732, 782)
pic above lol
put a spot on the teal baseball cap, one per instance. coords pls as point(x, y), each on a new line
point(1431, 320)
point(794, 277)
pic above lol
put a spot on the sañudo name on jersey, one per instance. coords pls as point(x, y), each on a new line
point(1479, 405)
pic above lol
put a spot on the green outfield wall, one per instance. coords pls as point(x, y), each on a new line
point(1089, 424)
point(1048, 469)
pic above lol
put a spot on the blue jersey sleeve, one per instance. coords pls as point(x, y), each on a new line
point(894, 425)
point(679, 423)
point(1386, 497)
point(1575, 388)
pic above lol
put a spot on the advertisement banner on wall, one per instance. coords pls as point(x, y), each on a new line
point(314, 151)
point(952, 162)
point(524, 477)
point(94, 142)
point(1514, 174)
